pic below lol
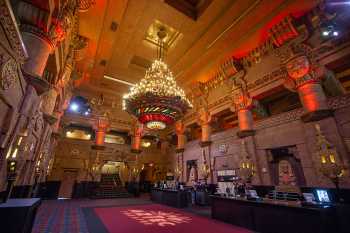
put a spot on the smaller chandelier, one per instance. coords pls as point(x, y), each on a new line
point(156, 100)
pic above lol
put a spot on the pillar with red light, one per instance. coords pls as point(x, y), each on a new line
point(136, 138)
point(243, 105)
point(306, 77)
point(204, 119)
point(180, 133)
point(41, 34)
point(180, 148)
point(101, 127)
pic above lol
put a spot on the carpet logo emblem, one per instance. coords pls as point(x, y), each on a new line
point(159, 218)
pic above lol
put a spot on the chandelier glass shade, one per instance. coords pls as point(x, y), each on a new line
point(156, 100)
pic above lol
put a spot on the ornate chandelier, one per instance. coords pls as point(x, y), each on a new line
point(156, 100)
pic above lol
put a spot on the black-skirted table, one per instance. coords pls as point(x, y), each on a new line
point(17, 215)
point(267, 217)
point(174, 198)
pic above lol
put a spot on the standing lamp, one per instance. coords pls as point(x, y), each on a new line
point(330, 167)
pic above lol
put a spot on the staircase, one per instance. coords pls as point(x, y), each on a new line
point(110, 187)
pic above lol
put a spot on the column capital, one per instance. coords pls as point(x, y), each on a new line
point(54, 26)
point(204, 117)
point(241, 99)
point(180, 127)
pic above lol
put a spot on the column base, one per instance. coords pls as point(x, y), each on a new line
point(40, 85)
point(180, 150)
point(98, 147)
point(50, 119)
point(317, 115)
point(135, 151)
point(245, 133)
point(205, 144)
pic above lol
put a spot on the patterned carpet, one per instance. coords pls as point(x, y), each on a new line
point(82, 216)
point(67, 216)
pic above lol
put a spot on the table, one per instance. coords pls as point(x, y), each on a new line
point(268, 217)
point(174, 198)
point(17, 215)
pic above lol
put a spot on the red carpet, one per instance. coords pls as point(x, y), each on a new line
point(159, 219)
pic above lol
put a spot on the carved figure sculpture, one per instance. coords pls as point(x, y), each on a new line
point(286, 174)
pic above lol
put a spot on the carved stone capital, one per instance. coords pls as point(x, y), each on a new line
point(49, 22)
point(180, 127)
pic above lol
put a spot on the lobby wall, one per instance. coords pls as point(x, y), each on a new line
point(281, 130)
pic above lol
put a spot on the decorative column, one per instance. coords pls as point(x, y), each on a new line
point(204, 119)
point(101, 127)
point(136, 138)
point(304, 76)
point(243, 105)
point(42, 24)
point(180, 148)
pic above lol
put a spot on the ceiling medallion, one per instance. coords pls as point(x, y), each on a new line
point(156, 100)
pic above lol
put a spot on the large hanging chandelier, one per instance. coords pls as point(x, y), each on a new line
point(156, 100)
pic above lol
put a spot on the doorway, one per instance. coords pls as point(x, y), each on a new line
point(67, 184)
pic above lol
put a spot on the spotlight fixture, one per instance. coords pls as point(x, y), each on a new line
point(74, 107)
point(329, 29)
point(86, 113)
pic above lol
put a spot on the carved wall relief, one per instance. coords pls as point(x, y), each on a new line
point(285, 167)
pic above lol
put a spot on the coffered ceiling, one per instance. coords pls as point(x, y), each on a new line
point(202, 33)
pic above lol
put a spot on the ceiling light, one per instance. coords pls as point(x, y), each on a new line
point(157, 125)
point(86, 113)
point(156, 100)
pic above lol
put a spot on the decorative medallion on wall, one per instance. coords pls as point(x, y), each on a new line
point(223, 148)
point(75, 152)
point(8, 74)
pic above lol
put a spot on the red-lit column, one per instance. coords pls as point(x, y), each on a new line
point(101, 127)
point(306, 79)
point(180, 148)
point(136, 138)
point(204, 119)
point(43, 24)
point(243, 106)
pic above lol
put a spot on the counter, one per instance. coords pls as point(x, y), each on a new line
point(269, 217)
point(174, 198)
point(17, 215)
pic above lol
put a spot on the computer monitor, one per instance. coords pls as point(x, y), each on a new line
point(322, 195)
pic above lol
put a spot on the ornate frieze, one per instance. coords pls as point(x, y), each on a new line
point(8, 73)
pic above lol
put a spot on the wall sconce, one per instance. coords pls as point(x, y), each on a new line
point(246, 165)
point(330, 167)
point(11, 176)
